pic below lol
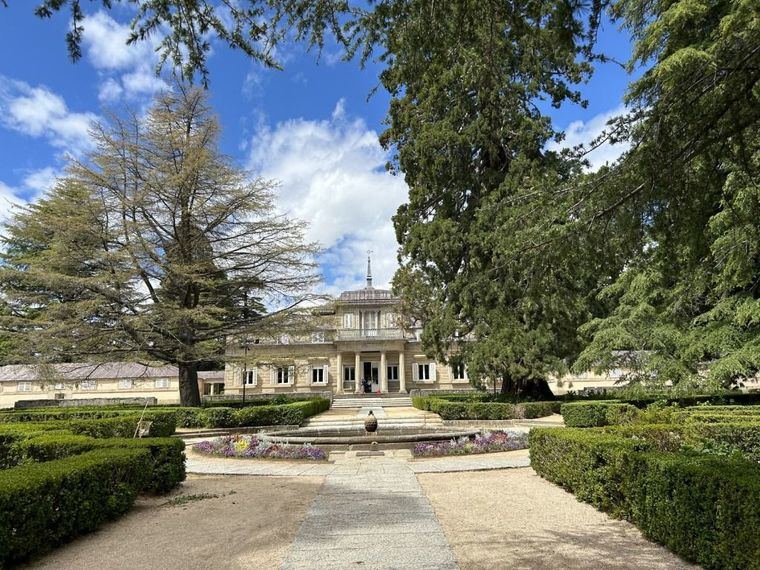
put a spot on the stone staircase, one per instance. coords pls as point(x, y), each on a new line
point(392, 412)
point(372, 401)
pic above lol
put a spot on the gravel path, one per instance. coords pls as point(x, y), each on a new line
point(250, 523)
point(514, 519)
point(370, 512)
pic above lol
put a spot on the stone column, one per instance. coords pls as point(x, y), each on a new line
point(401, 372)
point(357, 375)
point(383, 373)
point(339, 373)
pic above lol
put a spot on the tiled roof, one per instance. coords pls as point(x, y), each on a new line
point(83, 371)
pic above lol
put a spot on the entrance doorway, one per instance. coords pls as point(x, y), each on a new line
point(370, 376)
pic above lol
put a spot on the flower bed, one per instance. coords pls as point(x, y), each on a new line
point(249, 446)
point(487, 442)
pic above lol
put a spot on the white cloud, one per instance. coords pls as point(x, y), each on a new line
point(9, 197)
point(105, 40)
point(110, 90)
point(128, 70)
point(41, 181)
point(143, 81)
point(332, 175)
point(38, 112)
point(584, 132)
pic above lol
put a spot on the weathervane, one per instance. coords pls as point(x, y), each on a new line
point(369, 269)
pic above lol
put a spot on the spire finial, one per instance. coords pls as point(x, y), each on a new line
point(369, 268)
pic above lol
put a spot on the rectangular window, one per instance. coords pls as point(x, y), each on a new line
point(458, 370)
point(126, 384)
point(88, 385)
point(393, 372)
point(318, 375)
point(250, 377)
point(162, 383)
point(24, 387)
point(318, 336)
point(348, 321)
point(283, 375)
point(423, 372)
point(349, 373)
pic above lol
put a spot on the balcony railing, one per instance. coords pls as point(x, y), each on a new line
point(369, 334)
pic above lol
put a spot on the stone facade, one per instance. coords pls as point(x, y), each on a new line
point(357, 345)
point(81, 381)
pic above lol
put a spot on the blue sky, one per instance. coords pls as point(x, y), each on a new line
point(311, 126)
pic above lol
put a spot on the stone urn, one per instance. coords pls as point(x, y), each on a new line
point(370, 423)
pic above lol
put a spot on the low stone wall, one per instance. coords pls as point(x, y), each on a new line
point(434, 392)
point(50, 403)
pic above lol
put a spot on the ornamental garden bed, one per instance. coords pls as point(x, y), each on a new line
point(486, 442)
point(251, 447)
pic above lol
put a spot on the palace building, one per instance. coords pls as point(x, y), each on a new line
point(357, 345)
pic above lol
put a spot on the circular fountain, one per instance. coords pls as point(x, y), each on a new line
point(357, 438)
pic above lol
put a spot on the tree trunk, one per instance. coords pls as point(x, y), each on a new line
point(507, 384)
point(526, 388)
point(189, 395)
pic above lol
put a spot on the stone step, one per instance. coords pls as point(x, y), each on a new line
point(383, 422)
point(372, 402)
point(360, 422)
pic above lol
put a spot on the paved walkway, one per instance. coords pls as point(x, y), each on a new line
point(201, 464)
point(373, 513)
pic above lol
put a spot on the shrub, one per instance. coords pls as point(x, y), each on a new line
point(704, 508)
point(44, 504)
point(190, 417)
point(463, 409)
point(164, 425)
point(291, 414)
point(218, 417)
point(597, 414)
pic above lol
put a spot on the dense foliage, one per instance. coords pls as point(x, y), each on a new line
point(686, 195)
point(700, 505)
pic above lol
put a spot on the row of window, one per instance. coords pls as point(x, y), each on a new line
point(123, 384)
point(319, 374)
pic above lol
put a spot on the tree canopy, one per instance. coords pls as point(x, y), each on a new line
point(535, 260)
point(155, 247)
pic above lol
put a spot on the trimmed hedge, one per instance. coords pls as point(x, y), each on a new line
point(45, 504)
point(475, 410)
point(597, 414)
point(293, 414)
point(704, 508)
point(97, 424)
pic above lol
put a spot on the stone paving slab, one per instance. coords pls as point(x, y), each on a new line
point(377, 556)
point(379, 518)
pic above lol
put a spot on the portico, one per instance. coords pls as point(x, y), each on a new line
point(368, 369)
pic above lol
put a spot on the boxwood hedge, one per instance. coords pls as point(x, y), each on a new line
point(597, 414)
point(475, 410)
point(705, 508)
point(45, 504)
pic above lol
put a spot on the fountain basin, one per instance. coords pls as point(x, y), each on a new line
point(350, 436)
